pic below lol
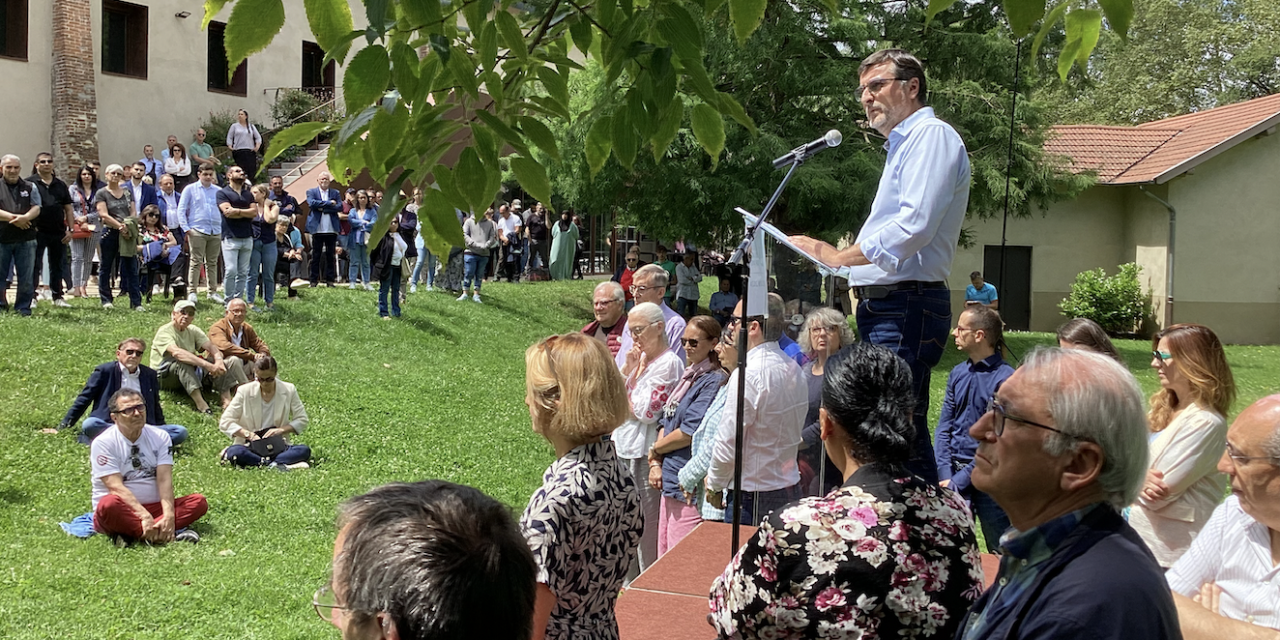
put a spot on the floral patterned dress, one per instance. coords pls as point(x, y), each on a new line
point(584, 526)
point(883, 556)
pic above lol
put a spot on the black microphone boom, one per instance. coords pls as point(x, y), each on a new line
point(800, 154)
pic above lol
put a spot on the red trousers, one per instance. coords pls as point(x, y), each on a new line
point(114, 516)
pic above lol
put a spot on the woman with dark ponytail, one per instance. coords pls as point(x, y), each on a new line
point(883, 537)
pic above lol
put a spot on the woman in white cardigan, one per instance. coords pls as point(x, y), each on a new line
point(1188, 435)
point(265, 408)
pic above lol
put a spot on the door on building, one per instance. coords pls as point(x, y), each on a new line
point(1013, 283)
point(317, 77)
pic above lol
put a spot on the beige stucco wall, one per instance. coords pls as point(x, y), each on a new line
point(1146, 237)
point(1070, 237)
point(25, 128)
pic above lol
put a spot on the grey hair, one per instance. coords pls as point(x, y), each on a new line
point(111, 168)
point(777, 320)
point(9, 156)
point(647, 312)
point(614, 290)
point(829, 317)
point(1094, 397)
point(656, 273)
point(1271, 446)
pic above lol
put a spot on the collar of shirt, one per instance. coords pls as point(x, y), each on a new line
point(990, 363)
point(1035, 545)
point(900, 132)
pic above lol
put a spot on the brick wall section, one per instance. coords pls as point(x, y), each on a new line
point(75, 101)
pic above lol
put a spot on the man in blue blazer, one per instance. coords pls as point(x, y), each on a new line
point(106, 379)
point(322, 223)
point(143, 193)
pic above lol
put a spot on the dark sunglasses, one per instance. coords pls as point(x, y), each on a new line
point(132, 410)
point(133, 352)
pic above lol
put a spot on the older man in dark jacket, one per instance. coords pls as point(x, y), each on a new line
point(108, 378)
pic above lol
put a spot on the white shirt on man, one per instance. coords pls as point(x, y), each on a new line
point(111, 453)
point(130, 380)
point(172, 217)
point(777, 400)
point(1234, 552)
point(509, 224)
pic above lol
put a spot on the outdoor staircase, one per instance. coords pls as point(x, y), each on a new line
point(291, 171)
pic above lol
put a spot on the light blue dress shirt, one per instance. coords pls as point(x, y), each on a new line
point(986, 295)
point(914, 223)
point(198, 209)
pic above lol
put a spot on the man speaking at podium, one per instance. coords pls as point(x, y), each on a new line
point(902, 257)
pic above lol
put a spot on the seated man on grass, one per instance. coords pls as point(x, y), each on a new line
point(239, 343)
point(126, 372)
point(174, 356)
point(132, 466)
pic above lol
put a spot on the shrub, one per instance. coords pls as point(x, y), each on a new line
point(1117, 304)
point(292, 104)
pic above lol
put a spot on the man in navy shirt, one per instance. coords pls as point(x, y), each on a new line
point(971, 386)
point(238, 208)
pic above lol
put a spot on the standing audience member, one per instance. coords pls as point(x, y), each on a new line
point(826, 331)
point(244, 141)
point(1062, 450)
point(1224, 585)
point(262, 259)
point(479, 237)
point(288, 204)
point(1188, 436)
point(539, 252)
point(681, 418)
point(169, 200)
point(1083, 333)
point(178, 165)
point(154, 165)
point(116, 206)
point(53, 226)
point(325, 204)
point(175, 357)
point(626, 273)
point(238, 208)
point(509, 228)
point(202, 225)
point(426, 262)
point(132, 467)
point(407, 222)
point(687, 276)
point(130, 265)
point(723, 302)
point(888, 554)
point(86, 232)
point(606, 305)
point(577, 254)
point(202, 152)
point(19, 207)
point(564, 248)
point(144, 193)
point(583, 524)
point(647, 286)
point(388, 257)
point(970, 387)
point(652, 371)
point(694, 473)
point(265, 408)
point(361, 218)
point(125, 372)
point(236, 339)
point(776, 403)
point(468, 575)
point(164, 153)
point(980, 293)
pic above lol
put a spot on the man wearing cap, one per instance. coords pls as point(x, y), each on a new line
point(175, 357)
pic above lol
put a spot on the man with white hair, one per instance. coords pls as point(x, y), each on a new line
point(325, 204)
point(607, 303)
point(19, 208)
point(649, 284)
point(1224, 585)
point(1062, 449)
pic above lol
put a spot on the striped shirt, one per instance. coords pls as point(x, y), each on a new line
point(1234, 552)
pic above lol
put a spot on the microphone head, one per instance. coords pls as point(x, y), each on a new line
point(833, 138)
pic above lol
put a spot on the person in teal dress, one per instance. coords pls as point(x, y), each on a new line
point(564, 243)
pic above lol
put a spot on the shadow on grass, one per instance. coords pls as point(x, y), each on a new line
point(14, 497)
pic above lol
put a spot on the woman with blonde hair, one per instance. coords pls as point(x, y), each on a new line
point(1188, 435)
point(583, 525)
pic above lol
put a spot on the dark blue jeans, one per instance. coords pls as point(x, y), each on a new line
point(108, 253)
point(240, 456)
point(19, 258)
point(129, 282)
point(758, 504)
point(391, 284)
point(915, 325)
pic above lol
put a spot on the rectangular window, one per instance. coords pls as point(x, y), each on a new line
point(238, 82)
point(317, 77)
point(13, 29)
point(124, 39)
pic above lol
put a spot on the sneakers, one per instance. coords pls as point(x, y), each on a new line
point(139, 308)
point(217, 297)
point(298, 465)
point(187, 535)
point(368, 287)
point(61, 304)
point(430, 288)
point(462, 297)
point(157, 290)
point(476, 297)
point(46, 294)
point(192, 297)
point(413, 288)
point(107, 305)
point(351, 286)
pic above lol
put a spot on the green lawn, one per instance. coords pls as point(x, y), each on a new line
point(435, 394)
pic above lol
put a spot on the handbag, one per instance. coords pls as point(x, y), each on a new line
point(268, 447)
point(81, 231)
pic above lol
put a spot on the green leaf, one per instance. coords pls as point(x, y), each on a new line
point(555, 85)
point(731, 107)
point(708, 128)
point(355, 126)
point(487, 46)
point(1023, 14)
point(331, 23)
point(709, 7)
point(512, 37)
point(1119, 15)
point(486, 143)
point(404, 71)
point(540, 135)
point(251, 27)
point(667, 128)
point(386, 132)
point(533, 178)
point(448, 187)
point(472, 181)
point(682, 32)
point(605, 12)
point(1085, 24)
point(421, 12)
point(1054, 15)
point(551, 106)
point(936, 6)
point(599, 142)
point(697, 74)
point(582, 33)
point(376, 12)
point(746, 16)
point(504, 131)
point(438, 220)
point(1067, 57)
point(211, 9)
point(366, 78)
point(440, 45)
point(464, 73)
point(387, 212)
point(475, 12)
point(300, 133)
point(625, 142)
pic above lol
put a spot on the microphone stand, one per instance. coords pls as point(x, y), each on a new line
point(742, 257)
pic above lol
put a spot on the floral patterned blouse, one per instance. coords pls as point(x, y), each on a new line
point(584, 527)
point(883, 556)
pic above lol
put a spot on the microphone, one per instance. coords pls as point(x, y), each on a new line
point(800, 154)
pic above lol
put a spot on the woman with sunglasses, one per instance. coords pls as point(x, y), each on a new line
point(652, 370)
point(1188, 436)
point(154, 243)
point(178, 165)
point(681, 418)
point(583, 524)
point(694, 472)
point(265, 408)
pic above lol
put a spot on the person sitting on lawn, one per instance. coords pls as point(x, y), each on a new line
point(174, 356)
point(239, 343)
point(126, 372)
point(262, 409)
point(132, 465)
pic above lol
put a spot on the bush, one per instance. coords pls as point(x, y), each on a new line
point(292, 104)
point(216, 127)
point(1117, 303)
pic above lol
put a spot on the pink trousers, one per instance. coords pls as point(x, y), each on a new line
point(676, 521)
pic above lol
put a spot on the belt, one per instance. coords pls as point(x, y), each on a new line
point(878, 291)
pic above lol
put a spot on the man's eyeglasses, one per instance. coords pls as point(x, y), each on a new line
point(132, 352)
point(131, 410)
point(604, 303)
point(1240, 458)
point(635, 288)
point(993, 406)
point(1162, 356)
point(326, 604)
point(875, 86)
point(734, 320)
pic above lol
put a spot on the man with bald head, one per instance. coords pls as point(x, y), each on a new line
point(649, 284)
point(325, 204)
point(1225, 585)
point(607, 303)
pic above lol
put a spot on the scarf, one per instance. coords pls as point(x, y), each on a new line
point(690, 376)
point(564, 225)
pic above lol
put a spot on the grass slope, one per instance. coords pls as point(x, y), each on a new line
point(436, 394)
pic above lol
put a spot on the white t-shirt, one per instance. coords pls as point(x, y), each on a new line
point(509, 224)
point(113, 453)
point(399, 247)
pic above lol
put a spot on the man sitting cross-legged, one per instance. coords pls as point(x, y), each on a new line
point(176, 361)
point(265, 408)
point(132, 467)
point(236, 338)
point(126, 372)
